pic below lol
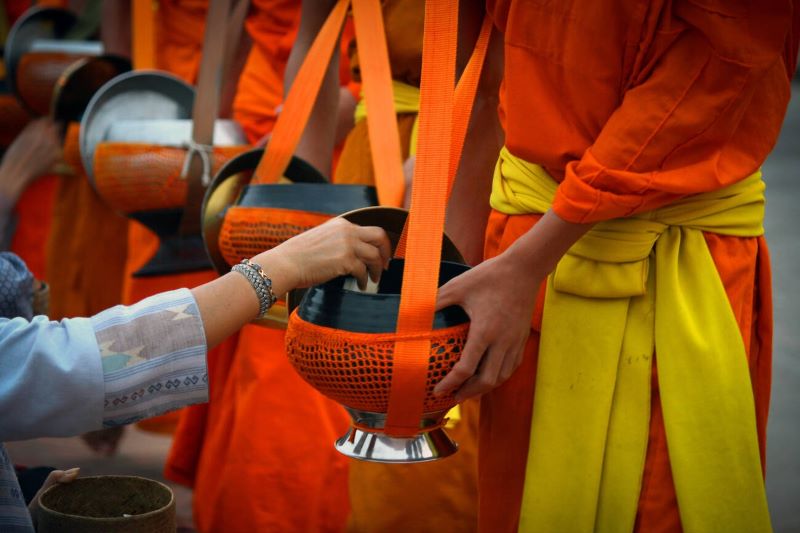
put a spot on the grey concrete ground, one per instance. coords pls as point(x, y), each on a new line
point(143, 454)
point(782, 174)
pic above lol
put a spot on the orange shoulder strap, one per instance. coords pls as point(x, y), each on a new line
point(462, 111)
point(425, 220)
point(377, 82)
point(143, 34)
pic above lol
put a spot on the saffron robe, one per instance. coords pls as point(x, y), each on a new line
point(636, 106)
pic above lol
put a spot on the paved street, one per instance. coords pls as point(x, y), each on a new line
point(782, 174)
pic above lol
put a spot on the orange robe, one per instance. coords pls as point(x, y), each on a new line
point(179, 36)
point(635, 108)
point(260, 454)
point(34, 212)
point(89, 276)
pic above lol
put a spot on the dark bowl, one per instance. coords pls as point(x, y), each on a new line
point(330, 305)
point(309, 197)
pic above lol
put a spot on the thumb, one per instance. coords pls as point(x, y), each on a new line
point(56, 477)
point(448, 295)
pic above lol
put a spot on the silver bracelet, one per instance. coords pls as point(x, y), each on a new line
point(260, 283)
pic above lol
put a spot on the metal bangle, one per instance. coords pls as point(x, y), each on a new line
point(260, 283)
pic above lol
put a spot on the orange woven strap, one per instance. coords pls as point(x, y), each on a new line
point(426, 218)
point(144, 34)
point(300, 100)
point(462, 111)
point(377, 83)
point(384, 138)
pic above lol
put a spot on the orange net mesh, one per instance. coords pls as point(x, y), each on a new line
point(13, 118)
point(248, 231)
point(134, 177)
point(355, 369)
point(37, 74)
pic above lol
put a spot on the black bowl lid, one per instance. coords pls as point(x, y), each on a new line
point(331, 305)
point(311, 197)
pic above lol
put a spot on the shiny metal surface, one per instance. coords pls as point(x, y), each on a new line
point(82, 48)
point(36, 24)
point(378, 447)
point(134, 95)
point(172, 132)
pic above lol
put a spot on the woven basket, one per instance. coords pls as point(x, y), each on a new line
point(108, 504)
point(342, 341)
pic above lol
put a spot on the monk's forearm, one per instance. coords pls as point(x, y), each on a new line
point(317, 143)
point(539, 250)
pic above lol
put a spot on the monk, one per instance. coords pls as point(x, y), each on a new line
point(259, 456)
point(622, 328)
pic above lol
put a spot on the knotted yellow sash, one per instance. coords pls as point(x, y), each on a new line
point(406, 100)
point(630, 286)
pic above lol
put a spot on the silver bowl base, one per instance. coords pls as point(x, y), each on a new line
point(378, 447)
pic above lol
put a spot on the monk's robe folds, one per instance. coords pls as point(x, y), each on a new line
point(636, 107)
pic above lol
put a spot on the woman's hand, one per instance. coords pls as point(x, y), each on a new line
point(499, 296)
point(336, 248)
point(35, 150)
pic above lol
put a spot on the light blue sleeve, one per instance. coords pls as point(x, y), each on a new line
point(51, 378)
point(122, 365)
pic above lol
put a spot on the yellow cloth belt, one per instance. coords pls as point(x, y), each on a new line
point(628, 288)
point(406, 100)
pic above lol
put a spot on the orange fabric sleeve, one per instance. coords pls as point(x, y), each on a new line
point(702, 117)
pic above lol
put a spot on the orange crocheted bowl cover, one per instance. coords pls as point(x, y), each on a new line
point(248, 231)
point(266, 215)
point(137, 177)
point(342, 341)
point(355, 369)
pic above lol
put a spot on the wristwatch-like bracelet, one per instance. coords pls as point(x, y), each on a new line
point(260, 282)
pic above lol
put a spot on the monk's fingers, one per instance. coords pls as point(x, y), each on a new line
point(376, 237)
point(371, 257)
point(449, 294)
point(488, 375)
point(467, 365)
point(512, 362)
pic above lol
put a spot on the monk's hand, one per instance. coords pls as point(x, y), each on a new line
point(335, 248)
point(499, 297)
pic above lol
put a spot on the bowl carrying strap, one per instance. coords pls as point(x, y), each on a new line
point(377, 81)
point(443, 120)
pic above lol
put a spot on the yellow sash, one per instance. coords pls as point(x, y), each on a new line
point(406, 100)
point(602, 322)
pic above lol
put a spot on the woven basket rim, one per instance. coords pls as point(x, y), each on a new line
point(113, 519)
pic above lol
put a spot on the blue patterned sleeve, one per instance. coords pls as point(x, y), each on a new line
point(16, 287)
point(153, 357)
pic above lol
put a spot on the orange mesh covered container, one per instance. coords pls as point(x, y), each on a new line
point(263, 216)
point(342, 342)
point(135, 177)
